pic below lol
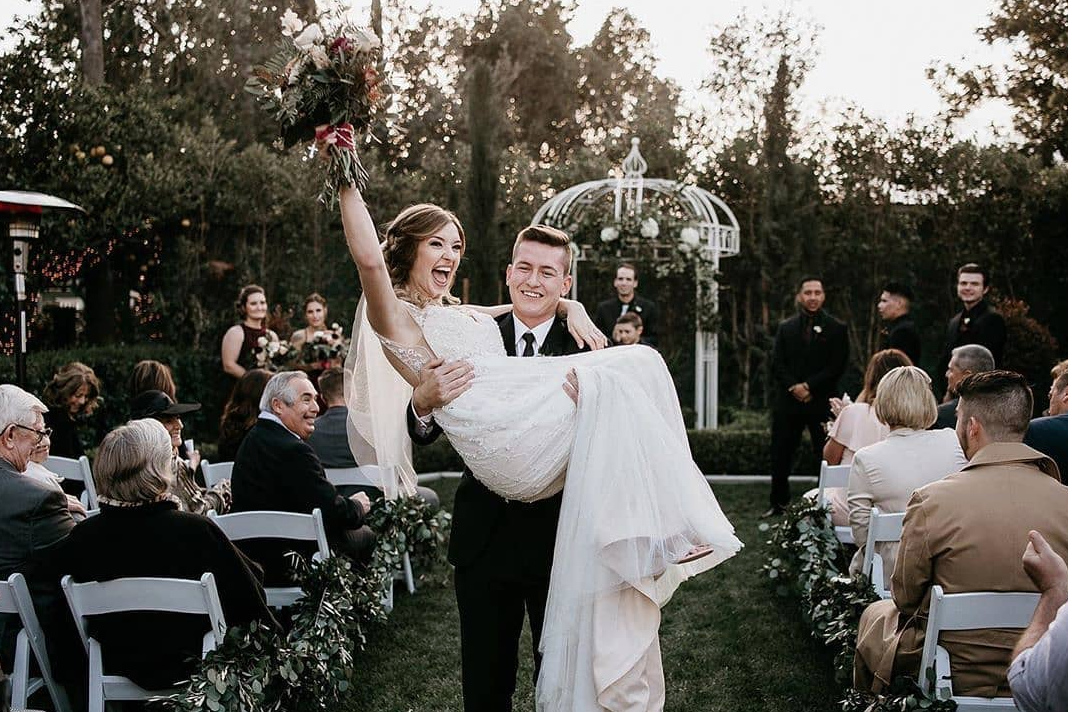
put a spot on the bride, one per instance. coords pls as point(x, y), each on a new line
point(637, 516)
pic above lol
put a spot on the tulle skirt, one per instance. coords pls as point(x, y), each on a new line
point(634, 502)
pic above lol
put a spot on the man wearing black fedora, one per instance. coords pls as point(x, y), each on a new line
point(191, 496)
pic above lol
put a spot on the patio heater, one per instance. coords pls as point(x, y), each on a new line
point(22, 210)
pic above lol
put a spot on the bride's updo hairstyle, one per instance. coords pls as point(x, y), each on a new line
point(413, 225)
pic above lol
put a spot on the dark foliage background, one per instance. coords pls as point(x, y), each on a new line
point(501, 109)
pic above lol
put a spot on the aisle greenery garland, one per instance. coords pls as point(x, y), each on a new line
point(257, 668)
point(806, 561)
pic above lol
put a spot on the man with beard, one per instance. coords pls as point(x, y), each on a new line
point(810, 354)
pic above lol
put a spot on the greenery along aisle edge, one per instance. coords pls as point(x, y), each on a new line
point(807, 560)
point(257, 669)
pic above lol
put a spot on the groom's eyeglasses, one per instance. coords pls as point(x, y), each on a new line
point(41, 434)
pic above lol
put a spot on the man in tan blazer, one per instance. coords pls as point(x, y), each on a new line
point(965, 533)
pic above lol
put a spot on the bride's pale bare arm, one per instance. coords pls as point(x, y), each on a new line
point(386, 314)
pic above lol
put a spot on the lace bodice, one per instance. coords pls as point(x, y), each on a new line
point(453, 332)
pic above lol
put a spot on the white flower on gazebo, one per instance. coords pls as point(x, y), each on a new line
point(608, 234)
point(690, 237)
point(649, 228)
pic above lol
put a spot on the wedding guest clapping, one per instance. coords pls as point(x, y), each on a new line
point(241, 341)
point(857, 426)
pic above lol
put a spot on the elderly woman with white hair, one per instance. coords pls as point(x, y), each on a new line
point(140, 531)
point(885, 474)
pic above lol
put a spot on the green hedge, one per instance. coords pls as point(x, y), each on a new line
point(739, 448)
point(731, 452)
point(198, 375)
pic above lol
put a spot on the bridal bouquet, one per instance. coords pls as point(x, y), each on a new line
point(324, 84)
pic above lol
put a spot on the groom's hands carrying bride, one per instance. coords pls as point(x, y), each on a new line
point(440, 383)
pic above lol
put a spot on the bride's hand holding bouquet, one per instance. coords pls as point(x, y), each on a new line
point(325, 84)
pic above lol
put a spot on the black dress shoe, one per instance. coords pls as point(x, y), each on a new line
point(773, 512)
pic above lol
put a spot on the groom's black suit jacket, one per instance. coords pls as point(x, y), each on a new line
point(515, 538)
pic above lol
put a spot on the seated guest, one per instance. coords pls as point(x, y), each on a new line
point(183, 485)
point(71, 396)
point(965, 533)
point(276, 469)
point(628, 330)
point(140, 531)
point(856, 426)
point(149, 375)
point(1049, 435)
point(1039, 671)
point(241, 412)
point(330, 438)
point(885, 474)
point(36, 469)
point(963, 362)
point(33, 515)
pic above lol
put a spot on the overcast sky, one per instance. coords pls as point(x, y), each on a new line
point(873, 53)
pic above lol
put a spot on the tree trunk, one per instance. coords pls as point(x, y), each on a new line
point(92, 42)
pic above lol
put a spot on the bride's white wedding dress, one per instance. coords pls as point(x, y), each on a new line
point(634, 501)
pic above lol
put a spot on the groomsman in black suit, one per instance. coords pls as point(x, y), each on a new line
point(627, 301)
point(811, 350)
point(502, 550)
point(899, 331)
point(977, 322)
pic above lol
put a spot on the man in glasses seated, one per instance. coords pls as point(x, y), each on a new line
point(33, 516)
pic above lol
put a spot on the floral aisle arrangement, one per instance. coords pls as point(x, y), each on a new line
point(806, 560)
point(325, 84)
point(326, 348)
point(311, 667)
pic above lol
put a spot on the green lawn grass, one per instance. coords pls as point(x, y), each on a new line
point(729, 644)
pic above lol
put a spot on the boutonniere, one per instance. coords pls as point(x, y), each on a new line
point(967, 320)
point(637, 308)
point(818, 329)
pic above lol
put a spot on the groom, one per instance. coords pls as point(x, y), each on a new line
point(502, 550)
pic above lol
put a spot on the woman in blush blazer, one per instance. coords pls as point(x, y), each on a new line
point(885, 474)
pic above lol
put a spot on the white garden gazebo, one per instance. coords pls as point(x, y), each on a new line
point(710, 228)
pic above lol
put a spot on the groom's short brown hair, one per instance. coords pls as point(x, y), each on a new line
point(547, 236)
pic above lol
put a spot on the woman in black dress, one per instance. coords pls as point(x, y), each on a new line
point(241, 341)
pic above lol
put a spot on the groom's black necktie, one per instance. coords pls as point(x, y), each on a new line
point(528, 339)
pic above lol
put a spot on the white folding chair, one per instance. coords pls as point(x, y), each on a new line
point(969, 611)
point(368, 475)
point(216, 473)
point(79, 470)
point(276, 525)
point(881, 528)
point(15, 599)
point(834, 476)
point(138, 594)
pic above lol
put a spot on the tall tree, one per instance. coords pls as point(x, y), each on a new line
point(1035, 83)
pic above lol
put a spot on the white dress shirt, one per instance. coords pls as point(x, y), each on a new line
point(540, 332)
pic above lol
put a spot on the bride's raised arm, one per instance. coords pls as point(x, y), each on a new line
point(385, 312)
